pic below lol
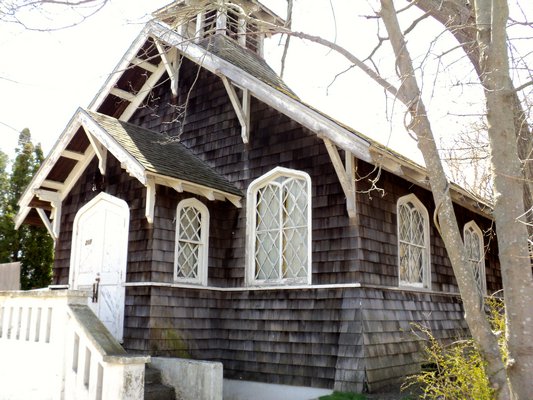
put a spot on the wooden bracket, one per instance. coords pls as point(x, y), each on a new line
point(101, 153)
point(150, 199)
point(55, 201)
point(172, 61)
point(346, 175)
point(242, 110)
point(46, 223)
point(208, 194)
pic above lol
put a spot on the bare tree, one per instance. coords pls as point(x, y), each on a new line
point(45, 15)
point(481, 27)
point(467, 157)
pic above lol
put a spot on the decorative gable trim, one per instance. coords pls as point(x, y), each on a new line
point(101, 142)
point(293, 108)
point(127, 161)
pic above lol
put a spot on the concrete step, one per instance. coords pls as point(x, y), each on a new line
point(151, 376)
point(158, 391)
point(154, 389)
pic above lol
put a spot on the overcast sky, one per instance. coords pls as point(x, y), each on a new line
point(46, 76)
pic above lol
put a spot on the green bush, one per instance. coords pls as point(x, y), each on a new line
point(496, 313)
point(457, 371)
point(451, 372)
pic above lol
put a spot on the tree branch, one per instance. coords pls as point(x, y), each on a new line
point(350, 57)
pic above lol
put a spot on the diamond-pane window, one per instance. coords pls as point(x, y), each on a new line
point(413, 242)
point(192, 228)
point(279, 230)
point(473, 242)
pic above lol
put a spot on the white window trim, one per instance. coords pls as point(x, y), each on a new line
point(426, 283)
point(251, 223)
point(204, 239)
point(475, 228)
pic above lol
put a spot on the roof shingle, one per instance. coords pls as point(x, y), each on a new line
point(159, 154)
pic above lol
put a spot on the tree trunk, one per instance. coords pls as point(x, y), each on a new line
point(420, 125)
point(459, 18)
point(491, 18)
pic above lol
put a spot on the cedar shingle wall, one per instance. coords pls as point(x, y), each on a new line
point(366, 252)
point(276, 336)
point(212, 132)
point(391, 347)
point(317, 337)
point(342, 338)
point(378, 235)
point(117, 183)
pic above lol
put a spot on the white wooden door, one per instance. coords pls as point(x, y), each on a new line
point(99, 258)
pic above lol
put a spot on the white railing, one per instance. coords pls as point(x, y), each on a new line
point(53, 347)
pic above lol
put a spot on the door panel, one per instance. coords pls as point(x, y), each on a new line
point(99, 255)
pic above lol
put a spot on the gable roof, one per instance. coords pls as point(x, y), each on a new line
point(152, 55)
point(245, 59)
point(146, 155)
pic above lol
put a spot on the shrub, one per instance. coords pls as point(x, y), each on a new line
point(457, 371)
point(451, 372)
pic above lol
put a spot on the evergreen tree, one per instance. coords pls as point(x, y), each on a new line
point(4, 222)
point(31, 245)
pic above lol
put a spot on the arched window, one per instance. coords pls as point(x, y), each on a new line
point(413, 242)
point(192, 242)
point(279, 228)
point(473, 241)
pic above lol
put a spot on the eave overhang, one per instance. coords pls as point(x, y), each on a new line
point(154, 53)
point(324, 127)
point(85, 138)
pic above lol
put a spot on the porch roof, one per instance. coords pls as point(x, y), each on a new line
point(151, 157)
point(162, 154)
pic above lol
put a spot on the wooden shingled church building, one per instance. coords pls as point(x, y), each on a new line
point(225, 220)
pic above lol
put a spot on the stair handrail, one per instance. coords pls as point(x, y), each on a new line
point(54, 340)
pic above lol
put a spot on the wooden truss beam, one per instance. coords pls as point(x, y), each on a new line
point(49, 184)
point(73, 155)
point(123, 94)
point(138, 62)
point(242, 110)
point(345, 173)
point(76, 172)
point(141, 94)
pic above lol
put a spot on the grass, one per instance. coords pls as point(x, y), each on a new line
point(356, 396)
point(343, 396)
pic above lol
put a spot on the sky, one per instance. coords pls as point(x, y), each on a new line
point(46, 75)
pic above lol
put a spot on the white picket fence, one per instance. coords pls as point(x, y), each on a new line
point(53, 347)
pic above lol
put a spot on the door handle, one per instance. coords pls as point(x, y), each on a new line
point(96, 288)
